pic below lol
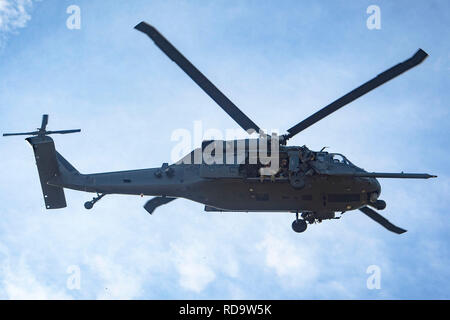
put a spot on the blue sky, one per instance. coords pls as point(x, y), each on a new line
point(279, 62)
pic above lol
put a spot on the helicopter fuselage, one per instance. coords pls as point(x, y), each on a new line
point(239, 187)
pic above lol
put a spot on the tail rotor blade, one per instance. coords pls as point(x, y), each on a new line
point(44, 121)
point(381, 220)
point(64, 131)
point(20, 134)
point(42, 130)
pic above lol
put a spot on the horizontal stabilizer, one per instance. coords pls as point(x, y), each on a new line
point(156, 202)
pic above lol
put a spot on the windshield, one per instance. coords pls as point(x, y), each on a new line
point(339, 158)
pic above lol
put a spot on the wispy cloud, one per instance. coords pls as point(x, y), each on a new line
point(19, 280)
point(14, 14)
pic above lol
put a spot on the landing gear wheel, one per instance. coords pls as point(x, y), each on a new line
point(299, 225)
point(88, 205)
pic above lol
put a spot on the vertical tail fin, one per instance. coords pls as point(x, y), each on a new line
point(52, 167)
point(47, 164)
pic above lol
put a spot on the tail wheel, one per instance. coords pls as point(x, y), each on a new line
point(88, 205)
point(299, 225)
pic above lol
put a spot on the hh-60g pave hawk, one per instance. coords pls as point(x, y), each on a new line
point(314, 184)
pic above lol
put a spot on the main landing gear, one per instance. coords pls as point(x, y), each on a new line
point(299, 225)
point(89, 204)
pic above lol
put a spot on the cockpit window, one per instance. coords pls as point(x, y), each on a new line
point(339, 158)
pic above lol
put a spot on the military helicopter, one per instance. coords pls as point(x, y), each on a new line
point(314, 184)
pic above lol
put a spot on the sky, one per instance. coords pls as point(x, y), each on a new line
point(279, 61)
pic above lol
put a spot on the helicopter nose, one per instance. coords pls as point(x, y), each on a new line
point(375, 189)
point(378, 186)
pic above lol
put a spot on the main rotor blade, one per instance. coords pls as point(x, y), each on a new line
point(203, 82)
point(63, 131)
point(381, 220)
point(387, 75)
point(44, 121)
point(20, 134)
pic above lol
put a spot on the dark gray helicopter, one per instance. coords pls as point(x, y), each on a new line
point(314, 184)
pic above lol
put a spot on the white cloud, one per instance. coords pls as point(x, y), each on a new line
point(119, 283)
point(293, 263)
point(13, 15)
point(18, 281)
point(193, 267)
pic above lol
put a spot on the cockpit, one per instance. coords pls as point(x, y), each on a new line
point(336, 158)
point(247, 164)
point(340, 159)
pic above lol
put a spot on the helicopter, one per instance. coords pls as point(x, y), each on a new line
point(247, 175)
